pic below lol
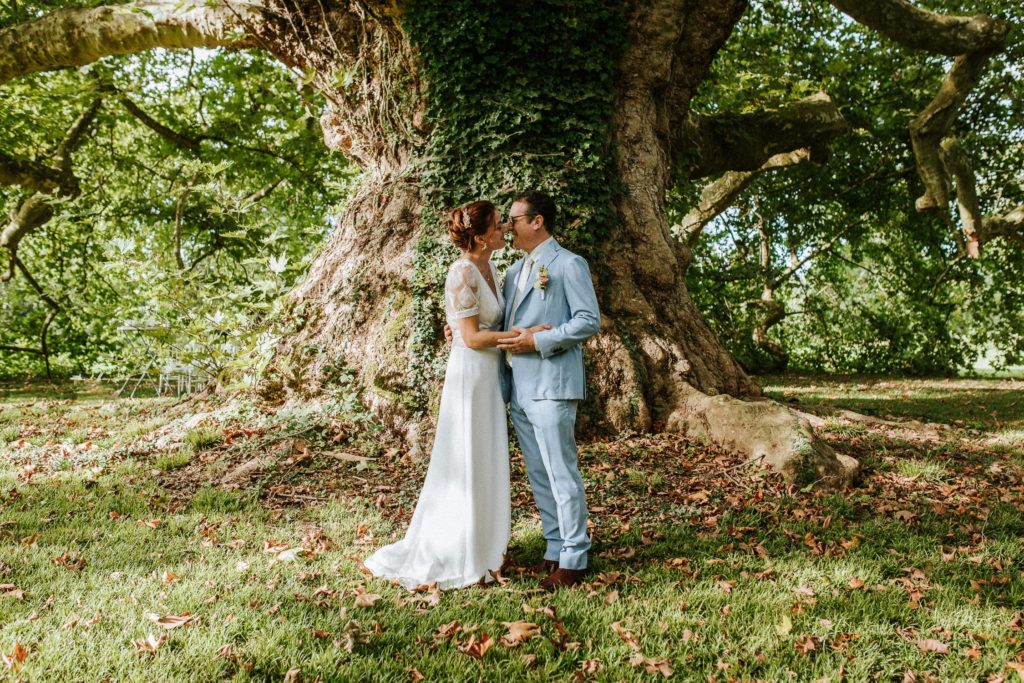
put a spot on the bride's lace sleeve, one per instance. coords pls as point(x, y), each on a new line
point(460, 290)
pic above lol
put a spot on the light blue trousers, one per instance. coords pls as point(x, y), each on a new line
point(546, 436)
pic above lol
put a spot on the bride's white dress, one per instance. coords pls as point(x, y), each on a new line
point(460, 529)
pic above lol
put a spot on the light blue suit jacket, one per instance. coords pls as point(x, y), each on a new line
point(569, 306)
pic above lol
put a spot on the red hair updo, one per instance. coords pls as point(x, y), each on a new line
point(469, 221)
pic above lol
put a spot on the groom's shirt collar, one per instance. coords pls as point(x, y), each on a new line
point(540, 250)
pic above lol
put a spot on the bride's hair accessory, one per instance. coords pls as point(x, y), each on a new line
point(470, 221)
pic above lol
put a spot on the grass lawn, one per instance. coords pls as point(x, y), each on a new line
point(134, 546)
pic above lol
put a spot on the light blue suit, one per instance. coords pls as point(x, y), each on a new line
point(543, 389)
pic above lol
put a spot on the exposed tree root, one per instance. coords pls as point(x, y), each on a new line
point(767, 432)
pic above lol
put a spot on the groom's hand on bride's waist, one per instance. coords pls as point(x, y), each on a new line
point(523, 341)
point(448, 336)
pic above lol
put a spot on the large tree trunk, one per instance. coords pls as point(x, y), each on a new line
point(368, 310)
point(655, 363)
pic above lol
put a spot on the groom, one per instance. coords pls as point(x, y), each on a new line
point(543, 379)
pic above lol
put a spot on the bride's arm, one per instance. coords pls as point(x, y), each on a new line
point(476, 338)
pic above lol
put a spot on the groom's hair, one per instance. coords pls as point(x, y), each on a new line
point(541, 205)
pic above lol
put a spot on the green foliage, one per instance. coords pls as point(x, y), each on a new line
point(250, 207)
point(520, 96)
point(871, 303)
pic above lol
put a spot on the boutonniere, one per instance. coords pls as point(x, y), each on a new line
point(542, 281)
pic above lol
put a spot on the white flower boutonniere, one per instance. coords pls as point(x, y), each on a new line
point(542, 281)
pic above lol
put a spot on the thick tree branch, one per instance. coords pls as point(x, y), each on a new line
point(35, 210)
point(73, 138)
point(932, 125)
point(39, 177)
point(940, 160)
point(76, 37)
point(923, 30)
point(29, 174)
point(30, 214)
point(719, 194)
point(958, 165)
point(744, 142)
point(1009, 225)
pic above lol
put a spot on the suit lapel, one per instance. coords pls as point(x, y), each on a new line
point(544, 262)
point(510, 289)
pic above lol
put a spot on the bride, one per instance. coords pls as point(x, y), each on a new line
point(460, 529)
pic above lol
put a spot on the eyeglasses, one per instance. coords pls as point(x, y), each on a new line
point(512, 219)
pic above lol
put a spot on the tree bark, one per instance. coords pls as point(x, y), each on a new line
point(654, 365)
point(657, 363)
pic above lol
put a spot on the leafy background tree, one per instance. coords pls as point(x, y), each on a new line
point(890, 294)
point(205, 193)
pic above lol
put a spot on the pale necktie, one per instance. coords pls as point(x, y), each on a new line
point(521, 284)
point(521, 281)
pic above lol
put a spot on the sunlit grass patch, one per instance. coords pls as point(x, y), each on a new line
point(922, 469)
point(643, 481)
point(172, 461)
point(135, 430)
point(80, 417)
point(841, 427)
point(8, 433)
point(202, 438)
point(215, 499)
point(75, 436)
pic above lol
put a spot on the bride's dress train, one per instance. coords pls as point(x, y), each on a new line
point(460, 529)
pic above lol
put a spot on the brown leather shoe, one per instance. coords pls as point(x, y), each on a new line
point(563, 578)
point(545, 567)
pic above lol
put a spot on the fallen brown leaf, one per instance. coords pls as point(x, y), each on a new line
point(14, 660)
point(519, 632)
point(170, 621)
point(477, 648)
point(9, 590)
point(628, 637)
point(150, 645)
point(806, 644)
point(932, 645)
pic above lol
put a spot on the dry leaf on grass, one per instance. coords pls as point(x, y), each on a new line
point(806, 644)
point(150, 645)
point(652, 666)
point(628, 637)
point(519, 632)
point(14, 660)
point(364, 599)
point(9, 590)
point(477, 648)
point(932, 645)
point(170, 621)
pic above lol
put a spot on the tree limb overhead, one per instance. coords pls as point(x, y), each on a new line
point(923, 30)
point(743, 142)
point(718, 195)
point(76, 37)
